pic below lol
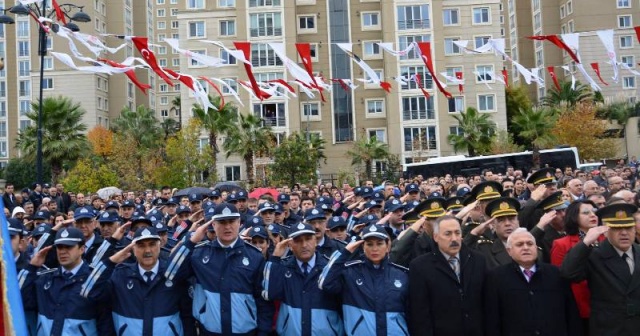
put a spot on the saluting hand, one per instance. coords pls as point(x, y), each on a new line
point(417, 225)
point(281, 248)
point(119, 233)
point(122, 255)
point(199, 233)
point(39, 258)
point(353, 246)
point(593, 234)
point(546, 219)
point(464, 211)
point(538, 192)
point(480, 229)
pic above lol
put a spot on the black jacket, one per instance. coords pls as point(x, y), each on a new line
point(439, 304)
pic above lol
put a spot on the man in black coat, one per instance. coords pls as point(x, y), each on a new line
point(612, 270)
point(529, 298)
point(446, 286)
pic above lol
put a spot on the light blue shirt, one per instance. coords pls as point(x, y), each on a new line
point(73, 271)
point(311, 264)
point(154, 270)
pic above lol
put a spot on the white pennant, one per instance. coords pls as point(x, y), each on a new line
point(373, 76)
point(229, 88)
point(303, 88)
point(573, 77)
point(388, 47)
point(237, 54)
point(573, 42)
point(294, 69)
point(200, 58)
point(66, 59)
point(606, 37)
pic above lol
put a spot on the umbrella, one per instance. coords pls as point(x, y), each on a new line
point(227, 186)
point(192, 190)
point(256, 193)
point(106, 192)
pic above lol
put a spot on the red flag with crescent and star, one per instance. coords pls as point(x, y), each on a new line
point(142, 45)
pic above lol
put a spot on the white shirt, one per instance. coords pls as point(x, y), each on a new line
point(532, 269)
point(154, 269)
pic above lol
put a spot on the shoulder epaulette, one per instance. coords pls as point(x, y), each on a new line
point(51, 270)
point(353, 262)
point(203, 243)
point(484, 241)
point(254, 247)
point(406, 269)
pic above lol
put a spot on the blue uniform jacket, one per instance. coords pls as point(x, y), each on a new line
point(227, 293)
point(61, 308)
point(139, 308)
point(304, 309)
point(374, 299)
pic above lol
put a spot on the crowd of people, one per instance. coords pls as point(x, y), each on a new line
point(546, 252)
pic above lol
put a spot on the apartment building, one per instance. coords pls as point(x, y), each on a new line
point(414, 126)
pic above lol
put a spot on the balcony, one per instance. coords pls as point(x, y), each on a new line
point(414, 24)
point(266, 31)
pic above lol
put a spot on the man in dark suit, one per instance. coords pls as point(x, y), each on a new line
point(9, 198)
point(436, 279)
point(612, 272)
point(529, 298)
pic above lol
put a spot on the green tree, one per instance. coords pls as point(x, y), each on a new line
point(517, 99)
point(184, 162)
point(567, 95)
point(169, 128)
point(477, 129)
point(22, 171)
point(503, 143)
point(246, 139)
point(536, 125)
point(296, 159)
point(365, 150)
point(91, 175)
point(63, 138)
point(215, 122)
point(141, 132)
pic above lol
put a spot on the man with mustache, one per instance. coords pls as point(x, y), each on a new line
point(504, 216)
point(452, 270)
point(325, 245)
point(612, 270)
point(143, 300)
point(304, 308)
point(526, 297)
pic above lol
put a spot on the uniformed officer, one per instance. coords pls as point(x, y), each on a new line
point(290, 219)
point(126, 210)
point(551, 225)
point(228, 273)
point(16, 233)
point(267, 212)
point(483, 193)
point(374, 290)
point(337, 229)
point(504, 216)
point(143, 301)
point(195, 202)
point(55, 293)
point(304, 309)
point(260, 239)
point(85, 221)
point(316, 218)
point(392, 221)
point(545, 184)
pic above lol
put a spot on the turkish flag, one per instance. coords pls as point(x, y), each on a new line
point(459, 76)
point(304, 50)
point(142, 45)
point(596, 68)
point(131, 74)
point(552, 73)
point(245, 47)
point(558, 42)
point(59, 14)
point(425, 50)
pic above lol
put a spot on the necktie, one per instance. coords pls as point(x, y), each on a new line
point(305, 269)
point(148, 275)
point(455, 266)
point(528, 274)
point(67, 275)
point(629, 262)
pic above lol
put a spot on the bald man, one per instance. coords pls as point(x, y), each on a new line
point(590, 188)
point(575, 188)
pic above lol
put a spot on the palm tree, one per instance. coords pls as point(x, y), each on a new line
point(176, 103)
point(169, 127)
point(246, 138)
point(568, 95)
point(216, 122)
point(477, 130)
point(63, 138)
point(535, 126)
point(141, 126)
point(365, 151)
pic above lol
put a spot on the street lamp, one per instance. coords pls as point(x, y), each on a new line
point(37, 11)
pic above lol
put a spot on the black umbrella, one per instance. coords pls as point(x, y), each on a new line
point(192, 190)
point(227, 186)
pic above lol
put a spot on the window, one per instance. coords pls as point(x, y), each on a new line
point(263, 55)
point(405, 40)
point(174, 12)
point(626, 41)
point(195, 4)
point(24, 68)
point(413, 17)
point(481, 15)
point(159, 2)
point(175, 62)
point(3, 89)
point(451, 16)
point(486, 102)
point(420, 138)
point(378, 73)
point(417, 108)
point(24, 88)
point(3, 129)
point(628, 82)
point(307, 24)
point(47, 83)
point(23, 48)
point(162, 62)
point(193, 63)
point(232, 173)
point(22, 28)
point(571, 26)
point(175, 25)
point(371, 49)
point(451, 48)
point(456, 104)
point(265, 24)
point(264, 3)
point(563, 13)
point(228, 58)
point(24, 107)
point(624, 3)
point(227, 27)
point(226, 3)
point(569, 7)
point(162, 50)
point(162, 24)
point(196, 29)
point(24, 124)
point(370, 20)
point(163, 87)
point(161, 12)
point(628, 60)
point(456, 130)
point(273, 114)
point(624, 21)
point(479, 41)
point(232, 84)
point(164, 100)
point(164, 113)
point(409, 72)
point(484, 73)
point(375, 107)
point(379, 134)
point(311, 110)
point(3, 109)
